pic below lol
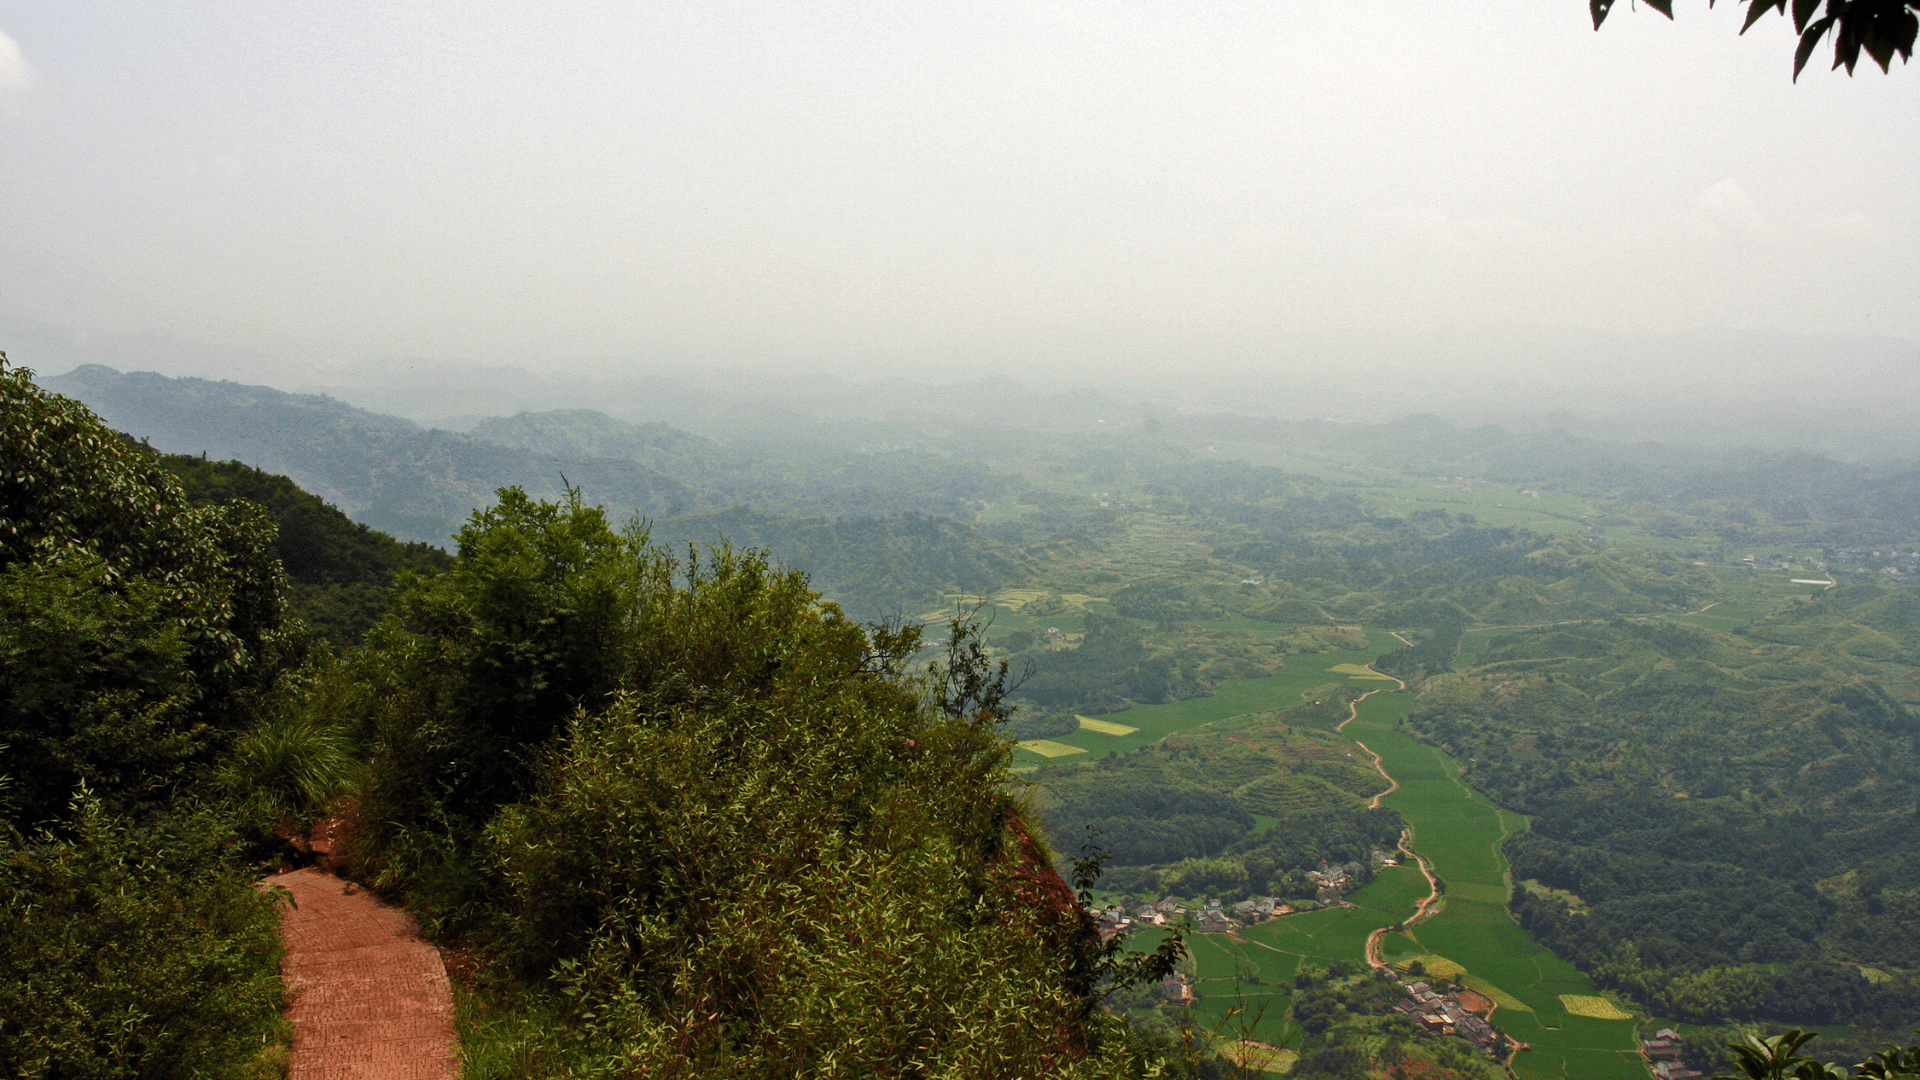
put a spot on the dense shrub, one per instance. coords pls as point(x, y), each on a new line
point(703, 824)
point(137, 632)
point(135, 952)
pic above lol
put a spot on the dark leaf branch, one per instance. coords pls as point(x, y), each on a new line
point(1882, 28)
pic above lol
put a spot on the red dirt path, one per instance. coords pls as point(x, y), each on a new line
point(370, 999)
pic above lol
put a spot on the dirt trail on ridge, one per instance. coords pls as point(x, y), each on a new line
point(371, 1000)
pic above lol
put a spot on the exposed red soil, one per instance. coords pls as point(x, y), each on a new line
point(463, 964)
point(370, 999)
point(1475, 1001)
point(1038, 887)
point(1052, 908)
point(327, 844)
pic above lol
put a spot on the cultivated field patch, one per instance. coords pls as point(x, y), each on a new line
point(1050, 749)
point(1434, 965)
point(1358, 671)
point(1261, 1057)
point(1104, 727)
point(1595, 1006)
point(1499, 996)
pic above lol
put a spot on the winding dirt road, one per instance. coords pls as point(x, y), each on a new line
point(1421, 909)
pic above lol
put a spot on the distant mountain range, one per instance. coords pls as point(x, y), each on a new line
point(415, 483)
point(886, 532)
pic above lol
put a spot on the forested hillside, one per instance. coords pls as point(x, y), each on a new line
point(341, 571)
point(873, 567)
point(804, 477)
point(858, 522)
point(1729, 818)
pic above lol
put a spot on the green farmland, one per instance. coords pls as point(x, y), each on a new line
point(1235, 697)
point(1460, 831)
point(1274, 950)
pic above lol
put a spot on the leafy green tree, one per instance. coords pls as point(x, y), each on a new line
point(135, 952)
point(140, 637)
point(1780, 1057)
point(138, 633)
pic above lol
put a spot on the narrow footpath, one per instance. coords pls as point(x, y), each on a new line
point(371, 1000)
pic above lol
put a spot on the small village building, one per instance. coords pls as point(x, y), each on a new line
point(1176, 989)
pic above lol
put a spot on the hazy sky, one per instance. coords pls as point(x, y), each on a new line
point(1049, 189)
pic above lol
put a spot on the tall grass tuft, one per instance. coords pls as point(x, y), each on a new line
point(292, 764)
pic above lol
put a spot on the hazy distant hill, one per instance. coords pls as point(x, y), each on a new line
point(384, 471)
point(785, 476)
point(584, 433)
point(875, 567)
point(874, 529)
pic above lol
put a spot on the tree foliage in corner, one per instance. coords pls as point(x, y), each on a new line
point(1780, 1057)
point(1882, 28)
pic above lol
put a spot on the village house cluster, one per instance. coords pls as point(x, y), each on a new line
point(1881, 560)
point(1663, 1056)
point(1335, 879)
point(1443, 1013)
point(1214, 916)
point(1211, 916)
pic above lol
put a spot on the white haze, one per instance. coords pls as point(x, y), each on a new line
point(1279, 205)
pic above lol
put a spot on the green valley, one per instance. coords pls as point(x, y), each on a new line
point(1660, 779)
